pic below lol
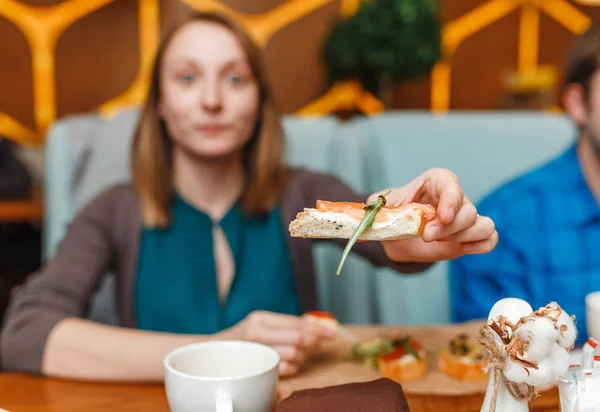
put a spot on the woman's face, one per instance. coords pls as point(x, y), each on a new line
point(209, 97)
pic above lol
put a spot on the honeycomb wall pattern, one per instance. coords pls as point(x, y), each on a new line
point(52, 29)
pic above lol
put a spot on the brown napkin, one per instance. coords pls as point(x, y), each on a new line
point(381, 395)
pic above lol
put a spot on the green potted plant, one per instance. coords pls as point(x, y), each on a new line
point(385, 42)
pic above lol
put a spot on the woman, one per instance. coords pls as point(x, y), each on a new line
point(210, 199)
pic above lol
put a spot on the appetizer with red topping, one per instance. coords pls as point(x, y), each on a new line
point(400, 359)
point(322, 318)
point(463, 359)
point(407, 362)
point(361, 222)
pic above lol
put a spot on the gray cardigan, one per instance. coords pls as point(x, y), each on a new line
point(104, 237)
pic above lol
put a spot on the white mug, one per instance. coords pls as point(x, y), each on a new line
point(592, 315)
point(222, 376)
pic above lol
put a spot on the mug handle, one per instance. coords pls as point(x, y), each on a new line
point(224, 404)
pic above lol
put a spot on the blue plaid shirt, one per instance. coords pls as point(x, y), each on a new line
point(549, 245)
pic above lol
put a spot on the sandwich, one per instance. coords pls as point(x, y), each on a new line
point(322, 318)
point(341, 220)
point(327, 320)
point(401, 359)
point(369, 351)
point(406, 362)
point(463, 359)
point(361, 222)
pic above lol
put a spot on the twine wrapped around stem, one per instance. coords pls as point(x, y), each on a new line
point(496, 361)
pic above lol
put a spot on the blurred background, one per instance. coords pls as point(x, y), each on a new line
point(62, 60)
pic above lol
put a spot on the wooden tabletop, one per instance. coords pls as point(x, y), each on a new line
point(22, 393)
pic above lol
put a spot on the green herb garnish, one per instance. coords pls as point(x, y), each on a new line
point(409, 349)
point(370, 212)
point(370, 351)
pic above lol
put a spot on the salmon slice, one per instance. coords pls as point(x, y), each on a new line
point(356, 210)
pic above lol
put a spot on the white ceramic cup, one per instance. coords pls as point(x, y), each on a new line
point(222, 376)
point(592, 314)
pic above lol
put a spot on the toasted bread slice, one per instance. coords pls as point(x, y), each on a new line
point(403, 366)
point(463, 359)
point(403, 369)
point(464, 370)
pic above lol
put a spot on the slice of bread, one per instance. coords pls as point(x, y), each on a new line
point(461, 369)
point(403, 370)
point(312, 223)
point(463, 359)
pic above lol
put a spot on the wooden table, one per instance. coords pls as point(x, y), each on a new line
point(20, 393)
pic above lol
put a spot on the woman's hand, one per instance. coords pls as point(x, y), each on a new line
point(291, 336)
point(457, 229)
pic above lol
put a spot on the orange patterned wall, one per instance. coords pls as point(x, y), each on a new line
point(48, 28)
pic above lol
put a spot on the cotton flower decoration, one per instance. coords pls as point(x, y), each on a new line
point(538, 353)
point(527, 354)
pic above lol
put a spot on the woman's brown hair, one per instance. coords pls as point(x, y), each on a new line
point(151, 155)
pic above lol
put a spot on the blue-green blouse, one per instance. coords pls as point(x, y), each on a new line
point(176, 286)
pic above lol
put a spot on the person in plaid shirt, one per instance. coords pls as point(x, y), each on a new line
point(548, 219)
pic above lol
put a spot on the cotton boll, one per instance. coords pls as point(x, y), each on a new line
point(515, 372)
point(566, 338)
point(541, 334)
point(561, 360)
point(554, 366)
point(518, 373)
point(551, 369)
point(543, 375)
point(553, 305)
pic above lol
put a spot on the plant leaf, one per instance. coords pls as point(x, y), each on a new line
point(367, 221)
